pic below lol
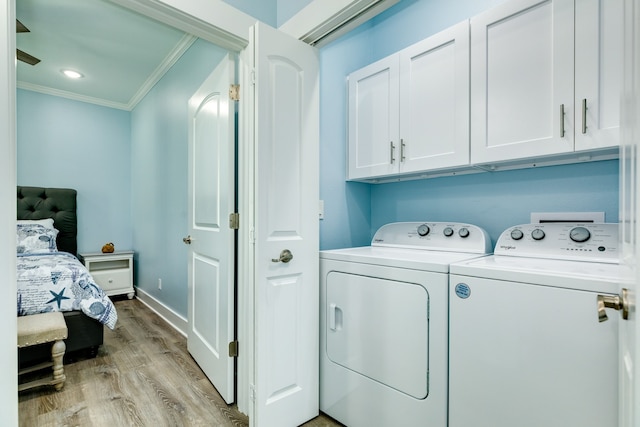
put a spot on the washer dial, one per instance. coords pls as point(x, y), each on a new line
point(423, 230)
point(448, 232)
point(537, 234)
point(463, 232)
point(579, 234)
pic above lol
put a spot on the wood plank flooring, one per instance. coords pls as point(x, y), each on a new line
point(143, 376)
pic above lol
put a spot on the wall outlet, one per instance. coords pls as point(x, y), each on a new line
point(160, 284)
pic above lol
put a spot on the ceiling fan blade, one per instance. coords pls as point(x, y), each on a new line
point(20, 28)
point(25, 57)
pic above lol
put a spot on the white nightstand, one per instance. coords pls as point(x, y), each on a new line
point(113, 272)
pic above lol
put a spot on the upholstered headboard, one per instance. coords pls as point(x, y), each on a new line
point(56, 203)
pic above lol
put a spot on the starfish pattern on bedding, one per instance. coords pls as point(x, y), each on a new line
point(58, 297)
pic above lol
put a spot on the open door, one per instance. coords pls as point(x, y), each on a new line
point(286, 181)
point(629, 352)
point(211, 239)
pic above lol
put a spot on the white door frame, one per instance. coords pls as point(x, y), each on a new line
point(8, 336)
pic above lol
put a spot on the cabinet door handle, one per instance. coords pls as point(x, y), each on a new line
point(402, 145)
point(584, 116)
point(561, 120)
point(392, 149)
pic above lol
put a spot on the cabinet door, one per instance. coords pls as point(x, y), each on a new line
point(374, 145)
point(434, 101)
point(598, 73)
point(522, 80)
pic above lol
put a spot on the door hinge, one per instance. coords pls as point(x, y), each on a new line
point(234, 221)
point(234, 92)
point(233, 349)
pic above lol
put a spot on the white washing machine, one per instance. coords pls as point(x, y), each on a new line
point(527, 348)
point(383, 320)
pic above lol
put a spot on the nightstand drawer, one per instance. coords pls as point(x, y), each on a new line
point(112, 279)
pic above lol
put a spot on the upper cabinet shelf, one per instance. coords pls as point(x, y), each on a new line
point(526, 83)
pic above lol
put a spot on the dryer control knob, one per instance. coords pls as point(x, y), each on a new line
point(448, 231)
point(517, 234)
point(423, 230)
point(579, 234)
point(537, 234)
point(463, 232)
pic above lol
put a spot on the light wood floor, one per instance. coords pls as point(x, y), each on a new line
point(142, 376)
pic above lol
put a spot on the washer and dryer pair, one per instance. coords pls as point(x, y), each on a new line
point(423, 327)
point(384, 324)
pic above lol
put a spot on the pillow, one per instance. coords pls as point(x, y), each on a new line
point(48, 222)
point(35, 238)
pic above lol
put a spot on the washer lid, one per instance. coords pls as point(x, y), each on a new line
point(588, 276)
point(424, 260)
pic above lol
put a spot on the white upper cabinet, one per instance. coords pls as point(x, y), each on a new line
point(374, 119)
point(522, 80)
point(527, 83)
point(526, 56)
point(598, 73)
point(434, 101)
point(409, 112)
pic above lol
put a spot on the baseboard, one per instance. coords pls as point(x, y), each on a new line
point(175, 320)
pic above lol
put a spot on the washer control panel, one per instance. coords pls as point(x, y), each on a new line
point(570, 241)
point(443, 236)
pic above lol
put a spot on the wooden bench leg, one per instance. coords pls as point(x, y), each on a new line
point(57, 353)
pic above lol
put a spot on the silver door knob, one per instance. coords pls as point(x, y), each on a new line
point(187, 240)
point(285, 256)
point(617, 302)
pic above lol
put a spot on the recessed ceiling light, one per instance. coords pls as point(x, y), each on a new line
point(72, 74)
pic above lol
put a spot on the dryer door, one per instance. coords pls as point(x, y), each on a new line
point(379, 328)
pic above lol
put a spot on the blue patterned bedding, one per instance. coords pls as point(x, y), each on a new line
point(59, 282)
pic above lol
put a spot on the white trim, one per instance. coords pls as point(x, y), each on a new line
point(8, 336)
point(322, 21)
point(175, 320)
point(71, 95)
point(173, 56)
point(214, 21)
point(246, 208)
point(162, 69)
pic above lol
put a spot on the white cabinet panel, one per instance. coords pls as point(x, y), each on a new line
point(522, 80)
point(373, 119)
point(598, 73)
point(434, 101)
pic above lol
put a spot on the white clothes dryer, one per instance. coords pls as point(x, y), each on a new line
point(384, 324)
point(528, 344)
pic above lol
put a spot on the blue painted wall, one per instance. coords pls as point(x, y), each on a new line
point(354, 211)
point(72, 144)
point(499, 200)
point(159, 176)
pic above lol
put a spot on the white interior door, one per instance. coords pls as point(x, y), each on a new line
point(286, 218)
point(211, 250)
point(630, 231)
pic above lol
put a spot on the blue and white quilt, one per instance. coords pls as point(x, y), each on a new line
point(59, 282)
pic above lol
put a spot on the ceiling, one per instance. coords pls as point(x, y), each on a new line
point(120, 53)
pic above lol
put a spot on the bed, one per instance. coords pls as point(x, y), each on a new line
point(85, 333)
